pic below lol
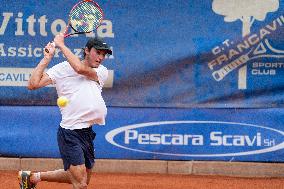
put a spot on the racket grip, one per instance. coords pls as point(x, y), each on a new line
point(53, 44)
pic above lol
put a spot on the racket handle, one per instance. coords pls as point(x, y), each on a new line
point(53, 44)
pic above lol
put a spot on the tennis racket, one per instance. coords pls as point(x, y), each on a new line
point(84, 17)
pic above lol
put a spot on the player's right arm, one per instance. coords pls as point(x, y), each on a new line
point(38, 77)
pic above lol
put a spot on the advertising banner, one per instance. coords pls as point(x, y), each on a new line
point(186, 53)
point(153, 133)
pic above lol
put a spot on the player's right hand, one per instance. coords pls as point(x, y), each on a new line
point(51, 50)
point(59, 40)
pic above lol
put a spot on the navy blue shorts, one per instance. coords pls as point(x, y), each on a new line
point(76, 147)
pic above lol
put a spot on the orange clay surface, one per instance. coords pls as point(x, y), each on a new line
point(8, 180)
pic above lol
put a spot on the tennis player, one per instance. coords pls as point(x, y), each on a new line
point(81, 81)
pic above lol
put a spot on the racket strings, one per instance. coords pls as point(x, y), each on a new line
point(85, 17)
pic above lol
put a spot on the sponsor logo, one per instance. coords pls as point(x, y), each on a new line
point(29, 25)
point(254, 49)
point(20, 76)
point(197, 138)
point(21, 25)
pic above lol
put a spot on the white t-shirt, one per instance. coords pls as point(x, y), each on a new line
point(86, 105)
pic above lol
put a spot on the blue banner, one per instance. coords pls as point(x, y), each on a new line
point(187, 53)
point(153, 133)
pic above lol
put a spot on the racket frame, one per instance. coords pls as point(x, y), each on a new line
point(69, 23)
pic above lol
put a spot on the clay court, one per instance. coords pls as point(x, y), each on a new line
point(8, 180)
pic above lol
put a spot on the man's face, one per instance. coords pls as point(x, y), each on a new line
point(95, 57)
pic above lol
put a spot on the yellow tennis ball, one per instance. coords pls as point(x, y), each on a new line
point(62, 101)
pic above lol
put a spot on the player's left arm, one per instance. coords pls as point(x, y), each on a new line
point(74, 61)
